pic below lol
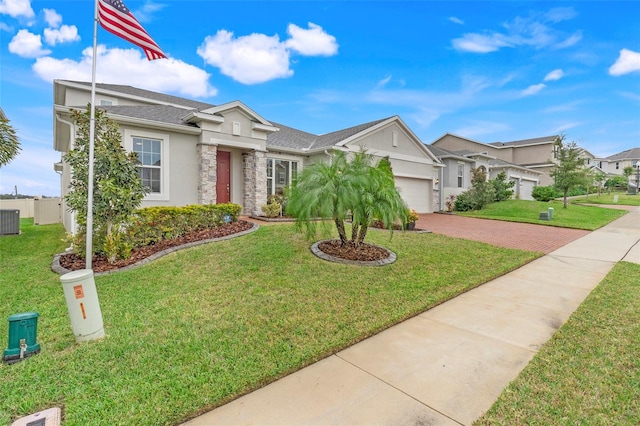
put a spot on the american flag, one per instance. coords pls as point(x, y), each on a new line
point(114, 17)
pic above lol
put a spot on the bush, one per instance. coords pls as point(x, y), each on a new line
point(272, 209)
point(545, 193)
point(153, 224)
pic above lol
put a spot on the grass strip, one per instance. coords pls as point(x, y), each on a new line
point(589, 372)
point(574, 216)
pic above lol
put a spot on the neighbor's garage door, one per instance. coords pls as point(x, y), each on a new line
point(526, 186)
point(417, 193)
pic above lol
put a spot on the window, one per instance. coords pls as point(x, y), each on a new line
point(460, 175)
point(617, 166)
point(104, 102)
point(149, 162)
point(280, 174)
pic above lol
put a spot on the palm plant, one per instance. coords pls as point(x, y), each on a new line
point(346, 188)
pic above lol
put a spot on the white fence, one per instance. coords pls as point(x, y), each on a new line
point(43, 210)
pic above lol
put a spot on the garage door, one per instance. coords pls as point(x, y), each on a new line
point(417, 193)
point(526, 186)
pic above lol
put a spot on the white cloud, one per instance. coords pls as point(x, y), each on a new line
point(53, 18)
point(131, 67)
point(257, 58)
point(66, 33)
point(627, 62)
point(383, 82)
point(17, 8)
point(6, 27)
point(27, 45)
point(148, 9)
point(251, 59)
point(311, 42)
point(456, 20)
point(554, 75)
point(534, 30)
point(533, 89)
point(479, 43)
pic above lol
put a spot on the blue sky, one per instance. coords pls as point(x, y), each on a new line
point(488, 71)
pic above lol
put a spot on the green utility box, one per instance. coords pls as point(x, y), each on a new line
point(23, 331)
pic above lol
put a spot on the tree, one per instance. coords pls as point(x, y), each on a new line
point(503, 189)
point(599, 178)
point(627, 171)
point(9, 142)
point(569, 170)
point(344, 188)
point(480, 194)
point(118, 189)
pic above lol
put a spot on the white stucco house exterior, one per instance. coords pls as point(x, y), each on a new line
point(193, 152)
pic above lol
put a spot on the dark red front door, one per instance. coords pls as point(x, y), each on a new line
point(223, 177)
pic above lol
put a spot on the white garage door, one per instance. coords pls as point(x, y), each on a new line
point(526, 186)
point(417, 193)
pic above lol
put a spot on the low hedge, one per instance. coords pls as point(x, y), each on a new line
point(153, 224)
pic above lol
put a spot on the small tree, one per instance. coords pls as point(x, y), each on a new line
point(480, 194)
point(569, 171)
point(9, 142)
point(346, 188)
point(627, 171)
point(599, 178)
point(118, 189)
point(503, 189)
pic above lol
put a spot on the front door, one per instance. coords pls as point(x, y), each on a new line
point(223, 177)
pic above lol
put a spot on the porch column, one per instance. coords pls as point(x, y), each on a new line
point(207, 168)
point(254, 167)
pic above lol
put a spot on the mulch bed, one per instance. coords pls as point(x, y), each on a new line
point(364, 253)
point(74, 262)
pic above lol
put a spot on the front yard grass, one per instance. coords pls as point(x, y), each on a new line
point(574, 216)
point(589, 372)
point(622, 198)
point(202, 326)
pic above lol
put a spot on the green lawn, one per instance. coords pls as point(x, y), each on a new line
point(574, 216)
point(204, 325)
point(622, 198)
point(589, 372)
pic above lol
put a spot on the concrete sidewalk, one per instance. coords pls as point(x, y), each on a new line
point(448, 365)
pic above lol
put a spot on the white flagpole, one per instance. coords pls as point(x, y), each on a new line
point(92, 135)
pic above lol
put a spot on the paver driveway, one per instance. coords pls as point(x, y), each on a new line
point(524, 236)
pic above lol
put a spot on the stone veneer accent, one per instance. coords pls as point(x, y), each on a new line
point(207, 169)
point(254, 169)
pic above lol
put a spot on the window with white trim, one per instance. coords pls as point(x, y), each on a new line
point(460, 175)
point(149, 162)
point(280, 174)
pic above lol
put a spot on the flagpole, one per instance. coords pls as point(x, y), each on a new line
point(92, 135)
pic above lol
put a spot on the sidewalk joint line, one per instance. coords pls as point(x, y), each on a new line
point(398, 389)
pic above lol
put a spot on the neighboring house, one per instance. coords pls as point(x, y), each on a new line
point(456, 176)
point(615, 164)
point(197, 153)
point(536, 154)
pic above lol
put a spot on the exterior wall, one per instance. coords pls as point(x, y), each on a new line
point(80, 98)
point(533, 154)
point(454, 143)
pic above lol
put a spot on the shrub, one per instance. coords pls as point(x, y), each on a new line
point(545, 193)
point(450, 203)
point(272, 209)
point(503, 189)
point(412, 215)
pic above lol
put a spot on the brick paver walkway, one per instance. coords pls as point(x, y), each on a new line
point(524, 236)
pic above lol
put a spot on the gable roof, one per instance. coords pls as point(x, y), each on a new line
point(138, 94)
point(523, 142)
point(629, 154)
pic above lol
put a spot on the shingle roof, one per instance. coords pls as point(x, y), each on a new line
point(289, 137)
point(160, 97)
point(629, 154)
point(160, 113)
point(525, 141)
